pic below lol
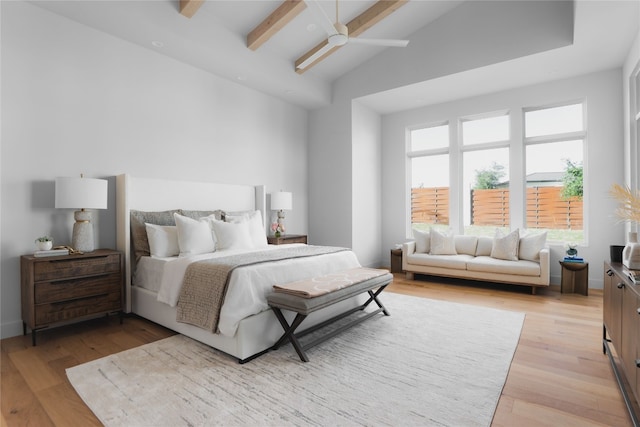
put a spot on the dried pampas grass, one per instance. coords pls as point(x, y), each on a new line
point(629, 209)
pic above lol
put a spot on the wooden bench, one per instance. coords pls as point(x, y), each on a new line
point(303, 305)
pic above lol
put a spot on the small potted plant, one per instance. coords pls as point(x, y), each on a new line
point(44, 243)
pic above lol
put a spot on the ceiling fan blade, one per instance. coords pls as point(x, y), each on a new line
point(321, 17)
point(314, 57)
point(379, 42)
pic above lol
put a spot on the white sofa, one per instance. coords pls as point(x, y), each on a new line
point(480, 258)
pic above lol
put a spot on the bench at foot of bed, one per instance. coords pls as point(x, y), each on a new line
point(305, 297)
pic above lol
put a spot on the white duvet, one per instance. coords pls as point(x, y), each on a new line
point(249, 285)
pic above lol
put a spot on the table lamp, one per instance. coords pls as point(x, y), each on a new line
point(81, 193)
point(281, 201)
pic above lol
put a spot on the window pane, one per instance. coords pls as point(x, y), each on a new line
point(550, 121)
point(430, 191)
point(554, 189)
point(486, 191)
point(485, 130)
point(430, 138)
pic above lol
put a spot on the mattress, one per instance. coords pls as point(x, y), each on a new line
point(248, 285)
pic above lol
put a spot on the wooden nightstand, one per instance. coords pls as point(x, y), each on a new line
point(287, 238)
point(70, 288)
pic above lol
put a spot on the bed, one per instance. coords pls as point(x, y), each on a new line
point(247, 327)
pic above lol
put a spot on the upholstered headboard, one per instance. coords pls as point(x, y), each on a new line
point(151, 194)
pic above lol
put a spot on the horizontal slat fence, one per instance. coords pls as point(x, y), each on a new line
point(545, 207)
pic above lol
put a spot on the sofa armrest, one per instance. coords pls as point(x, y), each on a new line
point(545, 266)
point(408, 248)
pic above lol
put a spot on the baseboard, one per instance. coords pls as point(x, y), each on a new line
point(10, 329)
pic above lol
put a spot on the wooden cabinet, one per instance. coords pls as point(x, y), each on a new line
point(621, 329)
point(287, 238)
point(69, 288)
point(574, 277)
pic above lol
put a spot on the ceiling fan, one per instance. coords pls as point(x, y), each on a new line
point(338, 35)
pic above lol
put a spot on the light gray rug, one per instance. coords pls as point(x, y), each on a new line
point(431, 363)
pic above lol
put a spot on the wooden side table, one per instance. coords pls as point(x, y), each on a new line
point(66, 288)
point(575, 277)
point(396, 260)
point(287, 238)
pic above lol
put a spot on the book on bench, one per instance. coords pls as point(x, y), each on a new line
point(320, 285)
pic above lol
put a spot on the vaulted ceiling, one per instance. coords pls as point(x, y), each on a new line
point(258, 43)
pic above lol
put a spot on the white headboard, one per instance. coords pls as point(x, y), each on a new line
point(150, 194)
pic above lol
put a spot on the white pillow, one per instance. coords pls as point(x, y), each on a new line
point(442, 244)
point(466, 244)
point(505, 247)
point(484, 246)
point(256, 227)
point(163, 240)
point(194, 235)
point(531, 245)
point(231, 235)
point(423, 241)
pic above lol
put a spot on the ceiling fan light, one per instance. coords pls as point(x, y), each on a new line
point(337, 40)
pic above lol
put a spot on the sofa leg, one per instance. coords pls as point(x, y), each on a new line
point(533, 290)
point(409, 275)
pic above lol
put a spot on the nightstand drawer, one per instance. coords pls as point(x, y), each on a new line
point(72, 309)
point(76, 267)
point(61, 290)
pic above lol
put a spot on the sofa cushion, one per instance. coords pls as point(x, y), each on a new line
point(458, 262)
point(505, 247)
point(494, 265)
point(483, 248)
point(442, 244)
point(466, 244)
point(531, 245)
point(423, 243)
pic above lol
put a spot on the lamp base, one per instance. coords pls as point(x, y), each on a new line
point(82, 239)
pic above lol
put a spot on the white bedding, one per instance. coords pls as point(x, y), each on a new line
point(248, 286)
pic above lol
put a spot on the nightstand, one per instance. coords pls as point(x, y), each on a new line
point(69, 288)
point(287, 238)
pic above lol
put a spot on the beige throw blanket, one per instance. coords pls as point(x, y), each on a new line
point(316, 286)
point(205, 282)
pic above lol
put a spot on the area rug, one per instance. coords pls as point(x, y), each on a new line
point(431, 363)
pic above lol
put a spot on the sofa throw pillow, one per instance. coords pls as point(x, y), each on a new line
point(505, 247)
point(442, 244)
point(423, 241)
point(466, 244)
point(484, 246)
point(531, 245)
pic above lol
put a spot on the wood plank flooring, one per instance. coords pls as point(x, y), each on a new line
point(559, 375)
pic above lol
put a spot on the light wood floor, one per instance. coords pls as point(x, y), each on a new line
point(559, 375)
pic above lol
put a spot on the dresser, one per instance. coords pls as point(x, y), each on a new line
point(61, 289)
point(621, 329)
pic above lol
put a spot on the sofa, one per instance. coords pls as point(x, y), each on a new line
point(504, 258)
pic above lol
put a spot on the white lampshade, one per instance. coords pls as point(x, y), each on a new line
point(81, 193)
point(281, 201)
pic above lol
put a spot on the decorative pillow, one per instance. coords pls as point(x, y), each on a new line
point(505, 247)
point(484, 246)
point(466, 244)
point(217, 214)
point(442, 244)
point(232, 235)
point(530, 246)
point(194, 236)
point(163, 240)
point(139, 232)
point(423, 241)
point(255, 224)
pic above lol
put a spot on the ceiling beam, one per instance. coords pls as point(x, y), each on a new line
point(356, 26)
point(189, 8)
point(280, 17)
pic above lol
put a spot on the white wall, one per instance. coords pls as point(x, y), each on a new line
point(75, 100)
point(603, 157)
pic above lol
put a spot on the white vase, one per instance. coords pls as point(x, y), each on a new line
point(631, 252)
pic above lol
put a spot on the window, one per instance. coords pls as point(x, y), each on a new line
point(429, 166)
point(554, 151)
